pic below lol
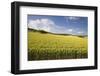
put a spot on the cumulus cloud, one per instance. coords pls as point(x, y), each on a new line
point(41, 24)
point(48, 25)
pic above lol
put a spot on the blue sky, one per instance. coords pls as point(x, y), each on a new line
point(59, 24)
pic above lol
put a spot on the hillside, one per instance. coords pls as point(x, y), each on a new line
point(45, 32)
point(47, 46)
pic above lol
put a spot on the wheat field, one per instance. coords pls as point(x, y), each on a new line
point(47, 46)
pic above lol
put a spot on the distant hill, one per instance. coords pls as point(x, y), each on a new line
point(45, 32)
point(41, 31)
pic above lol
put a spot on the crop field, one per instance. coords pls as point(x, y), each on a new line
point(46, 46)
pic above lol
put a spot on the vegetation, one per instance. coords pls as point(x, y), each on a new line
point(47, 46)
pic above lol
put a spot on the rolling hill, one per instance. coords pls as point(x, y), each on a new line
point(44, 45)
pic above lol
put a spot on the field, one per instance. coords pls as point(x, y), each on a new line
point(47, 46)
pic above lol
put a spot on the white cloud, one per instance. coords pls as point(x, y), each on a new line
point(48, 25)
point(41, 24)
point(70, 30)
point(80, 32)
point(73, 18)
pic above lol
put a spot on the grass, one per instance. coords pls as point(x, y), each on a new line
point(46, 46)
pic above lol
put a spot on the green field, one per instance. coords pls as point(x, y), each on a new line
point(47, 46)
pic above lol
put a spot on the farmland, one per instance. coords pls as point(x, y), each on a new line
point(47, 46)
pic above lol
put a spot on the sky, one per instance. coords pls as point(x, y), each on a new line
point(59, 24)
